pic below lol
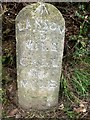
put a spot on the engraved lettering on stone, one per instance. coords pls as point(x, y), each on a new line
point(44, 24)
point(34, 62)
point(54, 47)
point(53, 26)
point(28, 25)
point(26, 84)
point(37, 24)
point(44, 46)
point(30, 44)
point(42, 75)
point(41, 9)
point(24, 61)
point(40, 38)
point(43, 37)
point(52, 85)
point(32, 73)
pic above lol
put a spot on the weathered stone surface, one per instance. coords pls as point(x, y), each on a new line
point(40, 30)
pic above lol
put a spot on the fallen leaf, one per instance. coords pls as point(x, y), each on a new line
point(18, 115)
point(80, 110)
point(61, 107)
point(82, 105)
point(13, 112)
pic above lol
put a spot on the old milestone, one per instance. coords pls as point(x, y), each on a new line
point(40, 31)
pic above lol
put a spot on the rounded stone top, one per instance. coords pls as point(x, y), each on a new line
point(43, 11)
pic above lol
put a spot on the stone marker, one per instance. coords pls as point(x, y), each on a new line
point(40, 31)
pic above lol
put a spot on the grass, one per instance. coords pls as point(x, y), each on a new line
point(81, 82)
point(0, 95)
point(75, 84)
